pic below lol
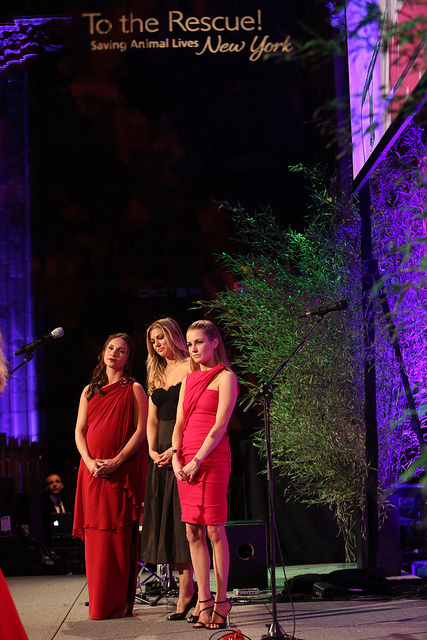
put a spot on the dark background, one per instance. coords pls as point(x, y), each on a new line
point(130, 154)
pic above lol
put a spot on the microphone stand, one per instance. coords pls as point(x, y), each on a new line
point(265, 395)
point(28, 357)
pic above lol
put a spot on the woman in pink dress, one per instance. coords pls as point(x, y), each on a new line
point(201, 463)
point(110, 429)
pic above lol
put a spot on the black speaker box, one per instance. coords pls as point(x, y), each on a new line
point(248, 555)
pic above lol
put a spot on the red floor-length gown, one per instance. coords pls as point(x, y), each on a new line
point(204, 500)
point(10, 625)
point(107, 509)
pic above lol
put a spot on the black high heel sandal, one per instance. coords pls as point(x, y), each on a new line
point(181, 615)
point(201, 625)
point(192, 619)
point(226, 619)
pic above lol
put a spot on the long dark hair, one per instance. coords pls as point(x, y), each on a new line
point(99, 375)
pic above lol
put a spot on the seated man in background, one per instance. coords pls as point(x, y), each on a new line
point(66, 551)
point(53, 502)
point(54, 487)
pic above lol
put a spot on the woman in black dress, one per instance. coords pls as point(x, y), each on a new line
point(163, 538)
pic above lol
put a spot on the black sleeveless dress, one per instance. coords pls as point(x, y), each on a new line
point(163, 538)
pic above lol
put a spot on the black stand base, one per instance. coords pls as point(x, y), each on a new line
point(170, 591)
point(163, 586)
point(275, 631)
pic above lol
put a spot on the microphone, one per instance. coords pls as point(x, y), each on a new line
point(321, 311)
point(53, 335)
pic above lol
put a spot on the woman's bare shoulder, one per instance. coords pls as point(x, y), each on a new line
point(138, 389)
point(229, 377)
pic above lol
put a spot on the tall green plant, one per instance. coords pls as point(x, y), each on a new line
point(317, 409)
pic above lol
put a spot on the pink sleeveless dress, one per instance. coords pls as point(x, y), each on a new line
point(204, 500)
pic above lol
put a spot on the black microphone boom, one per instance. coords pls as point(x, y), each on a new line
point(53, 335)
point(321, 311)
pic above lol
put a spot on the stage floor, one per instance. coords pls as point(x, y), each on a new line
point(53, 608)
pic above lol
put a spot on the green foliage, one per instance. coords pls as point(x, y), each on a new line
point(317, 409)
point(318, 432)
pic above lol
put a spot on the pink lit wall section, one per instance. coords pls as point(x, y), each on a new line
point(384, 70)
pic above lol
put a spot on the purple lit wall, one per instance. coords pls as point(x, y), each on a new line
point(18, 404)
point(399, 195)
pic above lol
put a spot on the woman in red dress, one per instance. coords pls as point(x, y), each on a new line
point(201, 463)
point(110, 429)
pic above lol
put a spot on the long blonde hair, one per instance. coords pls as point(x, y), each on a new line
point(211, 331)
point(156, 364)
point(3, 365)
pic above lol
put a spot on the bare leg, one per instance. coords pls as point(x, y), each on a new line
point(186, 586)
point(196, 535)
point(221, 563)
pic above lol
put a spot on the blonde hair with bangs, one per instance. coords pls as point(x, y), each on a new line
point(156, 364)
